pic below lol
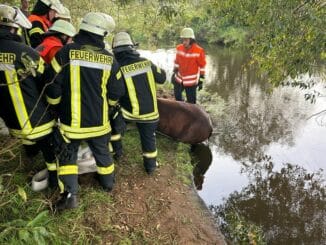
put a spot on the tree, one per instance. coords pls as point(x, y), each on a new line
point(287, 38)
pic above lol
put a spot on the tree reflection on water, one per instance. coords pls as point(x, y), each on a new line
point(289, 205)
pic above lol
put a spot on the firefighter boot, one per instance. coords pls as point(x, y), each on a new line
point(107, 181)
point(67, 201)
point(150, 165)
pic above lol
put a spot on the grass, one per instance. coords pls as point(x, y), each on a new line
point(26, 216)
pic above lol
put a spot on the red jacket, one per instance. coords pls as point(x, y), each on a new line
point(190, 63)
point(49, 47)
point(40, 25)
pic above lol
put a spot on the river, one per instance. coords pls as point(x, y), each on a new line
point(267, 153)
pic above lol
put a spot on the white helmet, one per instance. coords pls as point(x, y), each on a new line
point(122, 39)
point(187, 33)
point(97, 23)
point(13, 17)
point(64, 15)
point(63, 27)
point(54, 4)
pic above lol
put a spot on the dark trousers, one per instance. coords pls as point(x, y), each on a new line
point(148, 143)
point(191, 93)
point(68, 169)
point(45, 145)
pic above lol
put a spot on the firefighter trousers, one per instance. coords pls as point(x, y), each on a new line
point(148, 142)
point(68, 169)
point(191, 93)
point(44, 145)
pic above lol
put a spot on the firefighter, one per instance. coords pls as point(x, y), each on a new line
point(139, 105)
point(88, 84)
point(59, 34)
point(42, 18)
point(21, 69)
point(189, 67)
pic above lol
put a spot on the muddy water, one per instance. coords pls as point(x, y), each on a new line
point(266, 160)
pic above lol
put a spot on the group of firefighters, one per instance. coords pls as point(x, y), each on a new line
point(59, 87)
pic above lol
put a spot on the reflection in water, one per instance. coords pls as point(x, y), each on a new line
point(249, 123)
point(201, 159)
point(289, 204)
point(252, 117)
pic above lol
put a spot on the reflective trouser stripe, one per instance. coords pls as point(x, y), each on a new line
point(68, 178)
point(150, 154)
point(68, 169)
point(115, 137)
point(51, 166)
point(105, 170)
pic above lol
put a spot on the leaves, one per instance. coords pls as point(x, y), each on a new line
point(22, 193)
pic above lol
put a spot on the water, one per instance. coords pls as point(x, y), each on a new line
point(268, 153)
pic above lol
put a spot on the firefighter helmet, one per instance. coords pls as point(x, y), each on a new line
point(13, 17)
point(54, 4)
point(63, 27)
point(187, 33)
point(97, 23)
point(122, 39)
point(65, 15)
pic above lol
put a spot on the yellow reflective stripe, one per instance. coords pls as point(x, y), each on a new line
point(51, 166)
point(61, 186)
point(130, 116)
point(118, 75)
point(132, 96)
point(158, 70)
point(17, 99)
point(75, 95)
point(35, 30)
point(41, 66)
point(35, 132)
point(68, 169)
point(80, 133)
point(53, 101)
point(115, 137)
point(105, 170)
point(67, 128)
point(105, 77)
point(27, 142)
point(73, 135)
point(152, 85)
point(20, 31)
point(150, 154)
point(112, 102)
point(55, 65)
point(110, 147)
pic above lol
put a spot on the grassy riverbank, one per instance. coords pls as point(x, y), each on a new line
point(142, 209)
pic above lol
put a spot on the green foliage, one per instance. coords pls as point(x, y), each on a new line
point(287, 38)
point(33, 231)
point(240, 231)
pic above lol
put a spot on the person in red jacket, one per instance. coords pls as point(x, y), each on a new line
point(42, 18)
point(189, 67)
point(58, 35)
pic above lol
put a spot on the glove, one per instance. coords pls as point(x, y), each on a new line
point(200, 82)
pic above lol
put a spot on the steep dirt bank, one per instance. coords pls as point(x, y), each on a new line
point(160, 209)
